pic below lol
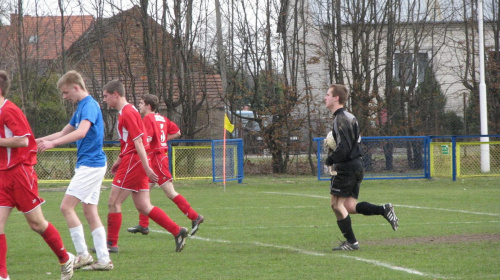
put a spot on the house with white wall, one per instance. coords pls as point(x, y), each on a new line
point(439, 39)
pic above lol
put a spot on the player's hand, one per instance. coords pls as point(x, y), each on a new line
point(331, 170)
point(45, 145)
point(115, 166)
point(152, 176)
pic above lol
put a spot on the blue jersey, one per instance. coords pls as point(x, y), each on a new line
point(89, 148)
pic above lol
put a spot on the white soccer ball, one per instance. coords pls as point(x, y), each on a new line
point(330, 142)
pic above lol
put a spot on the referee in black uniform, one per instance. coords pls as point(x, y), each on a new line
point(344, 187)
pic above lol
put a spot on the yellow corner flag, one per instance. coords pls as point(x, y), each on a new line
point(227, 124)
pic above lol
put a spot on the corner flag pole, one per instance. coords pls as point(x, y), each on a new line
point(227, 127)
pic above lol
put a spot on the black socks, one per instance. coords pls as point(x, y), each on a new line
point(346, 229)
point(369, 209)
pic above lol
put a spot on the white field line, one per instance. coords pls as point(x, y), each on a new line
point(404, 206)
point(362, 225)
point(319, 254)
point(398, 268)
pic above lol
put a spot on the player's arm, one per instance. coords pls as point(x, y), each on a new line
point(174, 136)
point(68, 135)
point(67, 129)
point(343, 149)
point(115, 166)
point(139, 147)
point(14, 142)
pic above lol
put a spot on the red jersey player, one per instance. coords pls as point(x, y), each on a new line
point(159, 131)
point(132, 171)
point(19, 182)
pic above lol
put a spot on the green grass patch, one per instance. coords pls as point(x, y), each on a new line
point(283, 228)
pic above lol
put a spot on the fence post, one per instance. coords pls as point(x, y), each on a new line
point(454, 157)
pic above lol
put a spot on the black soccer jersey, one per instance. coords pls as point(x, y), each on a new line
point(347, 136)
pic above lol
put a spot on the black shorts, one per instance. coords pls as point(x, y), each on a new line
point(348, 179)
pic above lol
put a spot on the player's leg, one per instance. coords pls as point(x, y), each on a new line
point(143, 203)
point(344, 224)
point(143, 226)
point(4, 215)
point(99, 237)
point(75, 227)
point(183, 205)
point(52, 237)
point(368, 209)
point(116, 197)
point(160, 165)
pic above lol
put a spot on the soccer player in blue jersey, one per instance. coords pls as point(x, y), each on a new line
point(86, 128)
point(345, 185)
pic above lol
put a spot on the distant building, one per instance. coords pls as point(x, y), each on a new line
point(442, 46)
point(41, 39)
point(112, 48)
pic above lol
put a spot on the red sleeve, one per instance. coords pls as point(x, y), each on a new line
point(17, 123)
point(133, 123)
point(172, 128)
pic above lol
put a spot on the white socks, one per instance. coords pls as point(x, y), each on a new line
point(101, 248)
point(78, 238)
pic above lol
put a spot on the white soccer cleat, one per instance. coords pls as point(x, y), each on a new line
point(82, 261)
point(97, 266)
point(67, 268)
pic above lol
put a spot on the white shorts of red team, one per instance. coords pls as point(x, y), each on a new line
point(86, 184)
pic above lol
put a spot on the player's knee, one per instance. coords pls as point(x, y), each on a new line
point(65, 209)
point(37, 227)
point(114, 207)
point(335, 207)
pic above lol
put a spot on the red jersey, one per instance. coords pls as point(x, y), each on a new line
point(13, 123)
point(158, 128)
point(130, 127)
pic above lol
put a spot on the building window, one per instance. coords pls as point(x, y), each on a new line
point(404, 65)
point(33, 39)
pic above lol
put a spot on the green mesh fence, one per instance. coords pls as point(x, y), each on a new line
point(58, 164)
point(469, 159)
point(207, 159)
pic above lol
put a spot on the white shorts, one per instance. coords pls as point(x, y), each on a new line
point(86, 184)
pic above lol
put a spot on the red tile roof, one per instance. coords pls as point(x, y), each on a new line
point(46, 30)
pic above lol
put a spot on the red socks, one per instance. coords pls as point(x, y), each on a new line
point(161, 218)
point(114, 225)
point(181, 203)
point(53, 239)
point(143, 220)
point(3, 256)
point(184, 206)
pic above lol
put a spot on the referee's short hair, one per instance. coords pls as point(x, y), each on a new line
point(340, 91)
point(151, 100)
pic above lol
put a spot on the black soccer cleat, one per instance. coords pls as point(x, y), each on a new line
point(346, 246)
point(138, 228)
point(180, 239)
point(390, 216)
point(196, 224)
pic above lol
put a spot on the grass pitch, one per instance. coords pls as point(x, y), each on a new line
point(283, 228)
